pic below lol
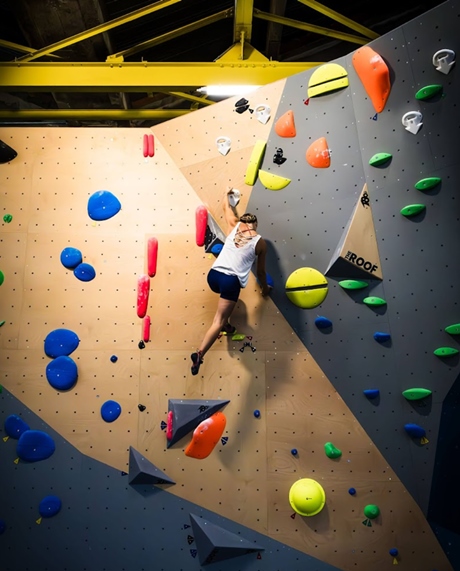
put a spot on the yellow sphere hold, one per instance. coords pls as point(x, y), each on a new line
point(307, 497)
point(306, 288)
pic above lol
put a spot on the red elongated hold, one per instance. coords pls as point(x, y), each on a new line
point(152, 255)
point(201, 221)
point(146, 328)
point(150, 146)
point(143, 290)
point(146, 146)
point(169, 425)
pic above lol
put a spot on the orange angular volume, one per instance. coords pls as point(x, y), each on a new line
point(285, 126)
point(206, 435)
point(318, 154)
point(374, 75)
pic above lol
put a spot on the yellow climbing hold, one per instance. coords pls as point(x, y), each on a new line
point(5, 438)
point(254, 162)
point(326, 78)
point(273, 181)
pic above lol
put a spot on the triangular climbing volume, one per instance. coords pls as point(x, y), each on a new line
point(215, 543)
point(357, 255)
point(143, 472)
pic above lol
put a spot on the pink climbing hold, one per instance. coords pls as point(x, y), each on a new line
point(152, 254)
point(201, 221)
point(150, 146)
point(143, 290)
point(169, 429)
point(146, 329)
point(146, 146)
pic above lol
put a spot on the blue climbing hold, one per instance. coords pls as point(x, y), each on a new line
point(323, 322)
point(352, 491)
point(71, 257)
point(35, 445)
point(110, 411)
point(103, 205)
point(114, 358)
point(371, 393)
point(414, 430)
point(294, 451)
point(61, 342)
point(62, 373)
point(257, 413)
point(84, 272)
point(382, 337)
point(393, 552)
point(2, 526)
point(49, 506)
point(15, 426)
point(216, 249)
point(269, 280)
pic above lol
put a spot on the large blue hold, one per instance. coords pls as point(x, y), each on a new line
point(103, 205)
point(35, 445)
point(49, 506)
point(61, 342)
point(84, 272)
point(15, 426)
point(62, 373)
point(110, 411)
point(414, 430)
point(323, 322)
point(71, 257)
point(381, 337)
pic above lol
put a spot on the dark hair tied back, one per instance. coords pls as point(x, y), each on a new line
point(248, 218)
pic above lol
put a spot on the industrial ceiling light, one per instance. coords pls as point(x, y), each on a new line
point(227, 90)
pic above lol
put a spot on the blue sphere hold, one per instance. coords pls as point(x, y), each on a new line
point(35, 445)
point(393, 552)
point(71, 257)
point(84, 272)
point(61, 342)
point(102, 205)
point(110, 411)
point(62, 373)
point(294, 451)
point(352, 491)
point(49, 506)
point(15, 426)
point(114, 358)
point(257, 413)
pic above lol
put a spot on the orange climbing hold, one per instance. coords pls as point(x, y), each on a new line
point(285, 126)
point(374, 75)
point(318, 154)
point(206, 435)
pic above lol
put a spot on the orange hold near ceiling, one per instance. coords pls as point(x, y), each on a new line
point(374, 75)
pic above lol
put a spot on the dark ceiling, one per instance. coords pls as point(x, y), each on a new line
point(38, 23)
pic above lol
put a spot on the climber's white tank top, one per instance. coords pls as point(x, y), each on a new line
point(234, 260)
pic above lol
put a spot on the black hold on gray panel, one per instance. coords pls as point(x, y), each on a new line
point(105, 524)
point(304, 222)
point(215, 543)
point(187, 414)
point(143, 472)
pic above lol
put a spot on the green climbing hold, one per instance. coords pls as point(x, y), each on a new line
point(352, 284)
point(445, 351)
point(2, 277)
point(379, 159)
point(1, 389)
point(416, 394)
point(371, 511)
point(427, 183)
point(428, 91)
point(373, 300)
point(2, 323)
point(332, 451)
point(238, 337)
point(412, 209)
point(7, 218)
point(453, 329)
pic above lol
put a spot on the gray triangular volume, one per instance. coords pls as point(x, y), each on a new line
point(143, 472)
point(187, 415)
point(214, 238)
point(214, 543)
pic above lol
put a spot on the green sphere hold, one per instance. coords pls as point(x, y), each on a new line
point(7, 218)
point(332, 451)
point(371, 511)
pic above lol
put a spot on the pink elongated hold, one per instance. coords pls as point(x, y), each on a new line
point(143, 290)
point(152, 255)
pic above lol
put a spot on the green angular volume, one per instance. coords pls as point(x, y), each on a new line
point(428, 91)
point(416, 394)
point(445, 351)
point(412, 209)
point(379, 159)
point(453, 329)
point(352, 284)
point(374, 301)
point(427, 183)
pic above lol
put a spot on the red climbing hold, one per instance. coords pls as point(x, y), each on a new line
point(146, 146)
point(146, 329)
point(169, 429)
point(150, 146)
point(152, 254)
point(143, 290)
point(201, 220)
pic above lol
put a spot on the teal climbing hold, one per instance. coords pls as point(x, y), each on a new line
point(412, 209)
point(445, 351)
point(373, 300)
point(380, 159)
point(416, 393)
point(453, 329)
point(427, 183)
point(352, 284)
point(428, 91)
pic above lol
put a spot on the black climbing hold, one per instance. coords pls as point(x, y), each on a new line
point(242, 109)
point(141, 407)
point(241, 102)
point(141, 345)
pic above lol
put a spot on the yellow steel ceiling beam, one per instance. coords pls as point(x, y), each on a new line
point(188, 97)
point(141, 76)
point(366, 32)
point(310, 27)
point(173, 34)
point(19, 48)
point(243, 20)
point(99, 29)
point(90, 114)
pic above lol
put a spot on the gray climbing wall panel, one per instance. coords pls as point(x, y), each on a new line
point(303, 224)
point(105, 524)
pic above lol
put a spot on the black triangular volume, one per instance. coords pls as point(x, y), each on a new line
point(143, 472)
point(7, 154)
point(344, 270)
